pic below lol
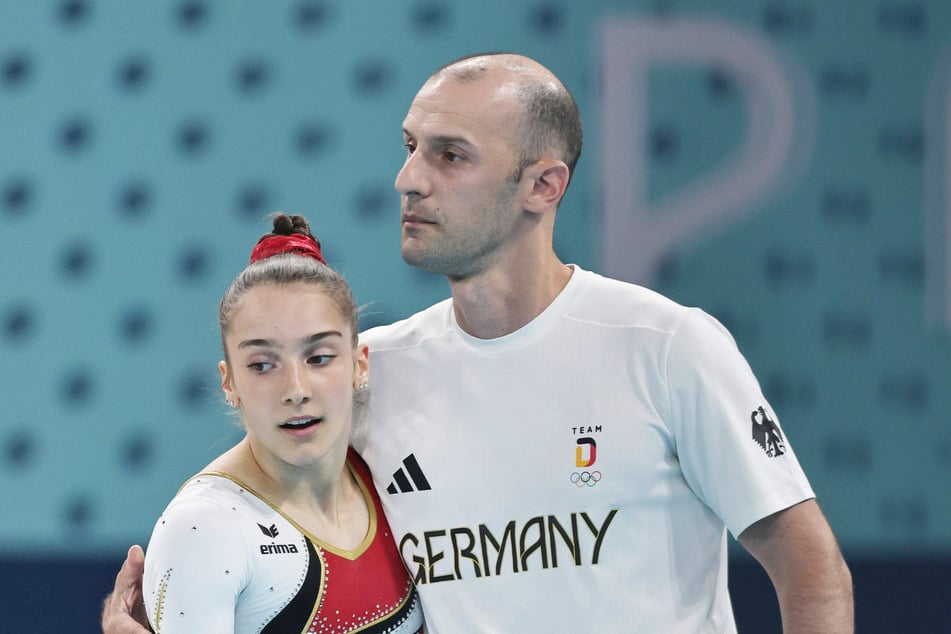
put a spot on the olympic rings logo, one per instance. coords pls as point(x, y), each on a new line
point(585, 478)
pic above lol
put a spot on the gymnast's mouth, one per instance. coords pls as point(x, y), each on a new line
point(300, 423)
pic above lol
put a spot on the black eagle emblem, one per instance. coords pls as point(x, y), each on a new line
point(766, 433)
point(271, 531)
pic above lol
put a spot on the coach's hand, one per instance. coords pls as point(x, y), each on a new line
point(123, 611)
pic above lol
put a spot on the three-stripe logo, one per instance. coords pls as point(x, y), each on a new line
point(407, 476)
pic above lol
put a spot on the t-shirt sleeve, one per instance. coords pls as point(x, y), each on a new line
point(732, 450)
point(195, 568)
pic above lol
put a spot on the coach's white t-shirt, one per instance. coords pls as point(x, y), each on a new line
point(577, 475)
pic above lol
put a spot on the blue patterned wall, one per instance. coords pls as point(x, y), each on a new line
point(142, 144)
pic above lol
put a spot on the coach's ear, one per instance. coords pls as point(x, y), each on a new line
point(546, 181)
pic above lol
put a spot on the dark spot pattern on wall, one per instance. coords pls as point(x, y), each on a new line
point(193, 138)
point(134, 73)
point(79, 512)
point(74, 135)
point(20, 449)
point(73, 13)
point(137, 451)
point(251, 76)
point(903, 19)
point(546, 18)
point(77, 388)
point(192, 263)
point(313, 140)
point(192, 15)
point(252, 201)
point(19, 323)
point(135, 325)
point(373, 201)
point(18, 195)
point(134, 200)
point(846, 205)
point(195, 389)
point(372, 77)
point(77, 260)
point(16, 69)
point(848, 452)
point(664, 143)
point(311, 15)
point(429, 17)
point(789, 19)
point(720, 85)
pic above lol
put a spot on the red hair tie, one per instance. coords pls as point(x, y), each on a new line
point(294, 243)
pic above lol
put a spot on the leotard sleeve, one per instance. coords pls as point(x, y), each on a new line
point(196, 566)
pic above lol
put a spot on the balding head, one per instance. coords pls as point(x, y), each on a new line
point(549, 122)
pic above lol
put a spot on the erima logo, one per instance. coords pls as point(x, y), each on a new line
point(275, 549)
point(278, 549)
point(410, 471)
point(766, 433)
point(270, 532)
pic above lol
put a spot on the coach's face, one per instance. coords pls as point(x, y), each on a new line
point(459, 203)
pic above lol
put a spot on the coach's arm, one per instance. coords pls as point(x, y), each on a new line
point(797, 549)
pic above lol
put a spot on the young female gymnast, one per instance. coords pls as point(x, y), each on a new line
point(284, 532)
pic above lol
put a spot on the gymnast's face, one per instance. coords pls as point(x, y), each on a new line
point(292, 371)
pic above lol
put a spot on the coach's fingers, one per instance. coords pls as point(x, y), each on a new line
point(123, 611)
